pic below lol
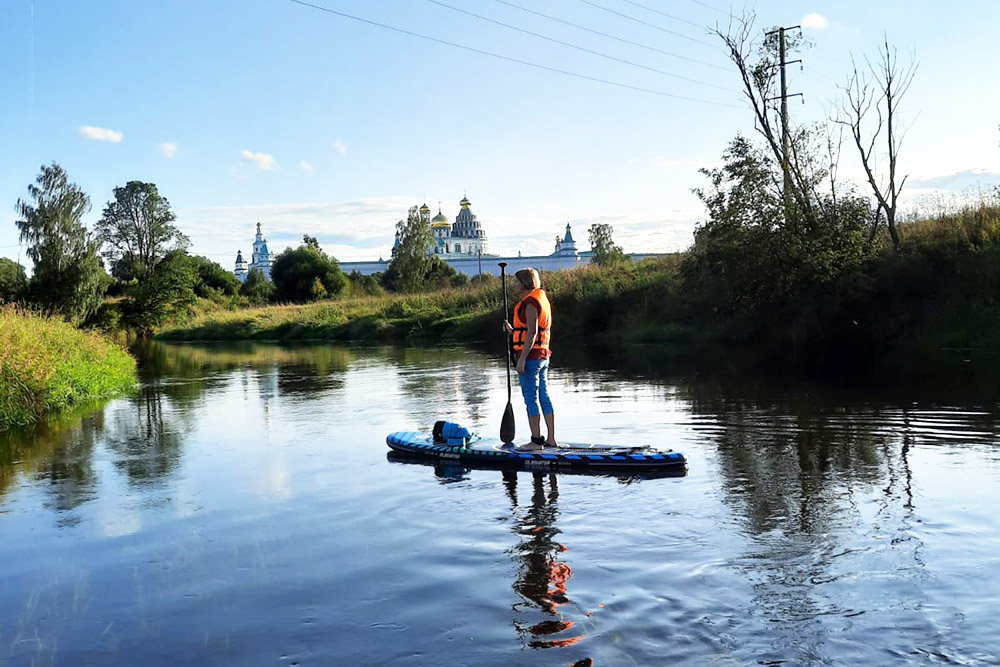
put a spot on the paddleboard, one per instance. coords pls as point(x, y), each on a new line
point(569, 457)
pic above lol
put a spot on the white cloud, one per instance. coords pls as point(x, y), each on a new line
point(340, 147)
point(168, 149)
point(814, 21)
point(101, 134)
point(263, 161)
point(305, 166)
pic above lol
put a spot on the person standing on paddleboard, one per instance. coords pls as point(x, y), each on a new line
point(532, 331)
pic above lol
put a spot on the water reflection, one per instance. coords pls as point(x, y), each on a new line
point(813, 528)
point(820, 487)
point(147, 436)
point(542, 577)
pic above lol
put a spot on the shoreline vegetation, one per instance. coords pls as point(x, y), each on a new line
point(930, 307)
point(48, 366)
point(897, 313)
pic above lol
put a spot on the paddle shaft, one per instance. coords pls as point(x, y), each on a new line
point(507, 423)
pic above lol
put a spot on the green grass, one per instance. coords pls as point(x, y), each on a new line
point(47, 365)
point(447, 314)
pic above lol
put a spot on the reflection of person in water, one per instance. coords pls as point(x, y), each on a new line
point(542, 577)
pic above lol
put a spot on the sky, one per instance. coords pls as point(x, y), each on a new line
point(332, 117)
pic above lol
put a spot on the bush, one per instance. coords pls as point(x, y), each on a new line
point(307, 274)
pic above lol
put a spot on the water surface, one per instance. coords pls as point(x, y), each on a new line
point(241, 509)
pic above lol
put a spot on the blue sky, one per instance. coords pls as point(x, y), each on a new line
point(314, 123)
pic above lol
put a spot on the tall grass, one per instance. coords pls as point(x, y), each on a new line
point(431, 316)
point(48, 365)
point(583, 298)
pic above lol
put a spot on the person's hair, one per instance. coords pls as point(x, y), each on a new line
point(528, 278)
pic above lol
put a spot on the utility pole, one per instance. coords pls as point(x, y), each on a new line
point(785, 139)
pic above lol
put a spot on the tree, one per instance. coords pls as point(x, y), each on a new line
point(211, 279)
point(137, 227)
point(68, 278)
point(880, 95)
point(13, 282)
point(606, 253)
point(746, 256)
point(366, 285)
point(307, 274)
point(410, 262)
point(257, 289)
point(142, 242)
point(166, 290)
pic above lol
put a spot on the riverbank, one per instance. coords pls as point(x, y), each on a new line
point(896, 312)
point(630, 303)
point(47, 365)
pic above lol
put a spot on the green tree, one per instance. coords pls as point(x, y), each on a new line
point(307, 274)
point(410, 262)
point(13, 282)
point(366, 285)
point(257, 289)
point(440, 274)
point(68, 278)
point(166, 291)
point(140, 239)
point(137, 228)
point(750, 258)
point(606, 253)
point(211, 279)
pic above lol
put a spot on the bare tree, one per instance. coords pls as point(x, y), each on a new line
point(758, 68)
point(874, 99)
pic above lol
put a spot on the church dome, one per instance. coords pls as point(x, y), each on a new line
point(465, 203)
point(440, 220)
point(425, 208)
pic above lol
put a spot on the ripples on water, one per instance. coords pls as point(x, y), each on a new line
point(241, 509)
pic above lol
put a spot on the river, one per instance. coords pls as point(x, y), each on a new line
point(241, 509)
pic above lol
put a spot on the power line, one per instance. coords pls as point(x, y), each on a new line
point(646, 23)
point(578, 48)
point(511, 59)
point(669, 16)
point(604, 34)
point(715, 9)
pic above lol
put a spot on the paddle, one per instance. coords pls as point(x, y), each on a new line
point(507, 423)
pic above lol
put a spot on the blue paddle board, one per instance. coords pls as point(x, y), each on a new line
point(568, 457)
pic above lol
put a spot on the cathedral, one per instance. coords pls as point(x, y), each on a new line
point(462, 244)
point(465, 238)
point(261, 259)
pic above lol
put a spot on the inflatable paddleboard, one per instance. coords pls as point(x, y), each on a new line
point(475, 451)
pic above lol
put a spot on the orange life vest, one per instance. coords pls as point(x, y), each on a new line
point(544, 321)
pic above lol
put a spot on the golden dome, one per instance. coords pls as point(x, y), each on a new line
point(440, 220)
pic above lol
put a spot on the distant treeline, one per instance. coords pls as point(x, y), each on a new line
point(729, 298)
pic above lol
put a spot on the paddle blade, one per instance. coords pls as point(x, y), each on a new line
point(507, 425)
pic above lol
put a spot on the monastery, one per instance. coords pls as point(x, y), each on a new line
point(463, 244)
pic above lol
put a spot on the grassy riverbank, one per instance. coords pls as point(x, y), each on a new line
point(894, 310)
point(47, 365)
point(591, 302)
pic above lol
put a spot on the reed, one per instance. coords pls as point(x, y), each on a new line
point(47, 365)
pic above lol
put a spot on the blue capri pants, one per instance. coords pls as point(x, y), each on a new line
point(535, 387)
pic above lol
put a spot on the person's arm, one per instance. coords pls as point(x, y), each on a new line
point(531, 320)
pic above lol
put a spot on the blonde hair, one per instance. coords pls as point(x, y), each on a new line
point(528, 278)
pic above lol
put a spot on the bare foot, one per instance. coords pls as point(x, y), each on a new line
point(530, 447)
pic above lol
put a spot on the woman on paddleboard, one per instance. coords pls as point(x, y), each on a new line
point(532, 330)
